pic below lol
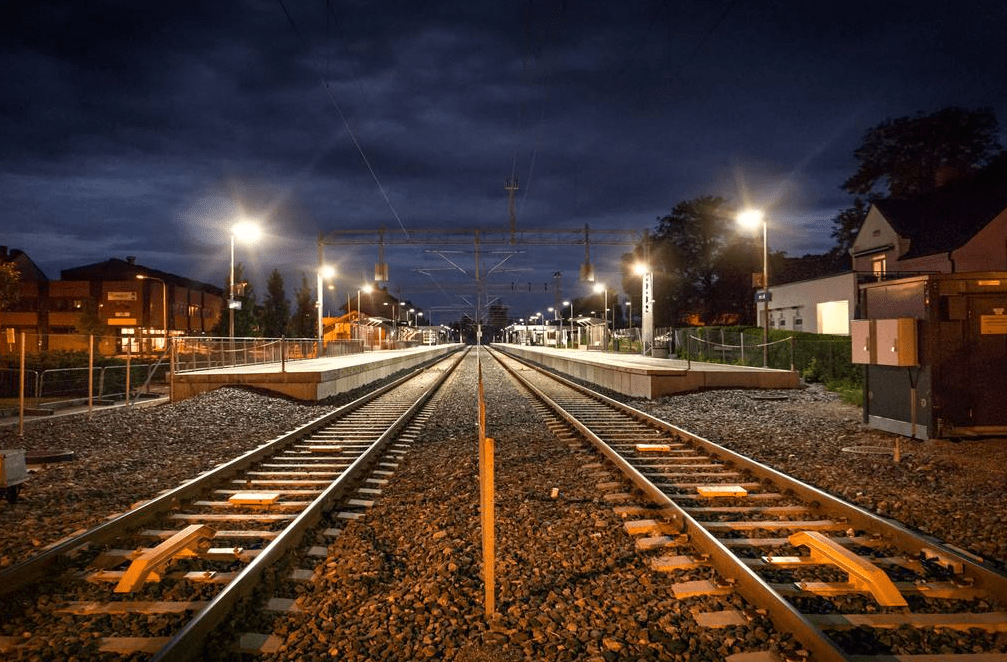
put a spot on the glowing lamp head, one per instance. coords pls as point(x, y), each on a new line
point(750, 218)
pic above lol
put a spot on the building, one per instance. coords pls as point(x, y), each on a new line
point(959, 227)
point(821, 305)
point(109, 300)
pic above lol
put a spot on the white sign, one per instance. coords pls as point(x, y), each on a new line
point(122, 296)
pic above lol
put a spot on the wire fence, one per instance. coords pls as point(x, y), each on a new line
point(204, 353)
point(818, 357)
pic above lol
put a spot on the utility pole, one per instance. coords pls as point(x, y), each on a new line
point(511, 187)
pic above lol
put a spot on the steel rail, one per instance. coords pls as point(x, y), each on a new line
point(27, 571)
point(983, 577)
point(185, 645)
point(748, 583)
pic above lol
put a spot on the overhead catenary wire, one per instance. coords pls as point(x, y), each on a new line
point(346, 123)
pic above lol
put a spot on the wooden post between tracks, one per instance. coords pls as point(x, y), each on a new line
point(486, 503)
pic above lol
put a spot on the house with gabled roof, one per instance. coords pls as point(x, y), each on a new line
point(958, 227)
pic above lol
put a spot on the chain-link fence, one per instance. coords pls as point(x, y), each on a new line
point(818, 357)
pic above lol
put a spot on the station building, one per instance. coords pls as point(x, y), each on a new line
point(109, 300)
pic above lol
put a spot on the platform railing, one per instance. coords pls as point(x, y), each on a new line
point(204, 353)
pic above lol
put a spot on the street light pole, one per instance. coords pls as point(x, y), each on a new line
point(752, 217)
point(324, 271)
point(570, 303)
point(230, 293)
point(246, 231)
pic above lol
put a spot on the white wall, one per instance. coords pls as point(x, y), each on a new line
point(823, 305)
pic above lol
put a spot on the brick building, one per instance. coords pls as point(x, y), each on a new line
point(107, 299)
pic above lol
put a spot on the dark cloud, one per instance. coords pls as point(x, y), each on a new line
point(148, 128)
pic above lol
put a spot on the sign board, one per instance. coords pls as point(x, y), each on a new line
point(763, 295)
point(757, 279)
point(121, 321)
point(234, 304)
point(993, 325)
point(122, 296)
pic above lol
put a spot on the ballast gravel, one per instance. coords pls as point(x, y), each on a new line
point(571, 586)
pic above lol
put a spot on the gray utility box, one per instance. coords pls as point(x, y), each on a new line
point(935, 354)
point(13, 470)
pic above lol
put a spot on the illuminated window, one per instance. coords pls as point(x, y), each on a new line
point(878, 266)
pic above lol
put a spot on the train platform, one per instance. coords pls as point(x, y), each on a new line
point(648, 377)
point(308, 379)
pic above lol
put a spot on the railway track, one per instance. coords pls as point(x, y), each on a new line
point(153, 583)
point(847, 584)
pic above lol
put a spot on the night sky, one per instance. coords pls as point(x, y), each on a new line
point(147, 129)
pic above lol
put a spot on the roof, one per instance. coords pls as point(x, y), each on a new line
point(948, 217)
point(28, 270)
point(116, 269)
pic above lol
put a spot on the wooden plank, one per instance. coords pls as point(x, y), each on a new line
point(702, 587)
point(812, 525)
point(87, 608)
point(127, 645)
point(257, 498)
point(989, 621)
point(260, 644)
point(720, 619)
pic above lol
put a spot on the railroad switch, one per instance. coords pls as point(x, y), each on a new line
point(193, 540)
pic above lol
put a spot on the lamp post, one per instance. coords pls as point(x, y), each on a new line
point(598, 288)
point(324, 271)
point(629, 321)
point(247, 232)
point(570, 303)
point(164, 303)
point(751, 218)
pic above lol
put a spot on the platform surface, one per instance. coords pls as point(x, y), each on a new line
point(309, 379)
point(648, 377)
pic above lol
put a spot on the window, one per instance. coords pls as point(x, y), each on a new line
point(878, 266)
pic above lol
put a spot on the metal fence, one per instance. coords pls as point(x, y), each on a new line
point(204, 353)
point(52, 386)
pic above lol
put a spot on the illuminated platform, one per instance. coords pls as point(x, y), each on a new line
point(309, 379)
point(647, 377)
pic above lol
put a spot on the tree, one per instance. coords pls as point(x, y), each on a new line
point(687, 257)
point(10, 284)
point(304, 323)
point(275, 308)
point(844, 230)
point(907, 153)
point(90, 323)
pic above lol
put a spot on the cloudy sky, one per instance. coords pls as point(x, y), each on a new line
point(147, 129)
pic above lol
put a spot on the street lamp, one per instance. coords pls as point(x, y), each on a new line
point(325, 271)
point(600, 287)
point(164, 303)
point(629, 322)
point(570, 303)
point(751, 218)
point(247, 232)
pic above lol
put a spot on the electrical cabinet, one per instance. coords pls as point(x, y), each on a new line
point(862, 342)
point(884, 342)
point(896, 342)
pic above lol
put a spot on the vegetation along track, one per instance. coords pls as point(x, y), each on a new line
point(847, 584)
point(156, 580)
